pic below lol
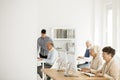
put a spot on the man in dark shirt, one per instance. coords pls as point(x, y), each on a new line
point(87, 55)
point(41, 44)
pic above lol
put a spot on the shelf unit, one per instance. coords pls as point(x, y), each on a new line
point(64, 39)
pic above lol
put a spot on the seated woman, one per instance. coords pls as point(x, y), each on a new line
point(96, 62)
point(110, 69)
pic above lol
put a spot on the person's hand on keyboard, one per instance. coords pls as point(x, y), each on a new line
point(99, 74)
point(86, 70)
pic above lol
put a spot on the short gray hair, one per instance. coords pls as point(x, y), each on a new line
point(89, 41)
point(51, 43)
point(96, 49)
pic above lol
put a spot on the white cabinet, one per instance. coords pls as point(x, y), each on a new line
point(64, 39)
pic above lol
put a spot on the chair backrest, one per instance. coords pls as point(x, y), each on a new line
point(55, 65)
point(60, 60)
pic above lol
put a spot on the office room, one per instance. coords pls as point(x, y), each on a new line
point(21, 22)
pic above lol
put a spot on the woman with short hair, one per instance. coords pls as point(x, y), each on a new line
point(96, 62)
point(110, 69)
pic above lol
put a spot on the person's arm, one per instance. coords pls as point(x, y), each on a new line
point(88, 59)
point(95, 71)
point(52, 58)
point(85, 56)
point(99, 67)
point(80, 57)
point(99, 72)
point(85, 70)
point(114, 73)
point(38, 48)
point(99, 64)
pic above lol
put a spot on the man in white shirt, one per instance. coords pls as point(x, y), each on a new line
point(52, 56)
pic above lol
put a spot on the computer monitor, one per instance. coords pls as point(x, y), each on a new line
point(71, 66)
point(62, 60)
point(68, 63)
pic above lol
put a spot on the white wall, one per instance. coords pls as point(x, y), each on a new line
point(100, 26)
point(97, 21)
point(68, 13)
point(20, 23)
point(116, 24)
point(18, 27)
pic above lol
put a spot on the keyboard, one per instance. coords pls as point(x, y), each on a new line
point(89, 74)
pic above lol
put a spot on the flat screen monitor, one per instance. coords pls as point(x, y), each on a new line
point(71, 66)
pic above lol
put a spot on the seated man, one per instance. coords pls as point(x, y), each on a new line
point(110, 69)
point(52, 56)
point(87, 55)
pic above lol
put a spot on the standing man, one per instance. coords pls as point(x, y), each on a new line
point(41, 44)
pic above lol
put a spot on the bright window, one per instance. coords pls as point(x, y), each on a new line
point(109, 27)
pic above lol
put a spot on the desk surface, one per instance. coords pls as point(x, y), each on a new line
point(60, 75)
